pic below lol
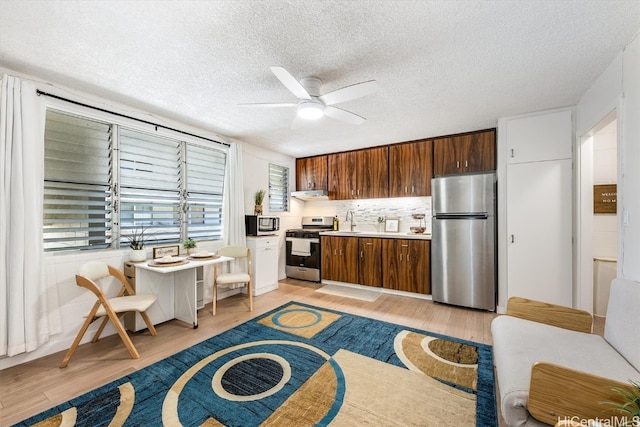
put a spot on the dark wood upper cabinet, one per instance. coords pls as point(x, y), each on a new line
point(342, 175)
point(373, 173)
point(410, 168)
point(311, 173)
point(362, 174)
point(475, 152)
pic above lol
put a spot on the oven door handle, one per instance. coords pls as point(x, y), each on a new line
point(290, 239)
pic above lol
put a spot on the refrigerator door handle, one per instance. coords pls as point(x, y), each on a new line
point(482, 215)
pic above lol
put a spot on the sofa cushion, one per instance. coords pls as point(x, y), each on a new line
point(623, 318)
point(519, 343)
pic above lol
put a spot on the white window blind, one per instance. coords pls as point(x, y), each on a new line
point(150, 186)
point(278, 188)
point(104, 180)
point(204, 187)
point(77, 183)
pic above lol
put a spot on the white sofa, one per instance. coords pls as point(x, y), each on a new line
point(547, 373)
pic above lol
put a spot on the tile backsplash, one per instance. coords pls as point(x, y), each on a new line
point(367, 211)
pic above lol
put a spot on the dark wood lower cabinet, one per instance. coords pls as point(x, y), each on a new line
point(340, 258)
point(406, 265)
point(370, 261)
point(400, 264)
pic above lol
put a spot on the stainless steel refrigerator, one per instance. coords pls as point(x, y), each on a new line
point(463, 241)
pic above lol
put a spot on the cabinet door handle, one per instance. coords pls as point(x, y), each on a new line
point(361, 254)
point(513, 239)
point(340, 252)
point(512, 153)
point(407, 257)
point(335, 252)
point(352, 192)
point(400, 256)
point(413, 190)
point(368, 243)
point(358, 192)
point(457, 164)
point(466, 163)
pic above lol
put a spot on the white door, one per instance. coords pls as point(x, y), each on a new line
point(539, 231)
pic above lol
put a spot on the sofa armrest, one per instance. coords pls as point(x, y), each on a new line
point(551, 314)
point(557, 393)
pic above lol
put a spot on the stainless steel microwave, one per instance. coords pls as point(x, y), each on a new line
point(258, 225)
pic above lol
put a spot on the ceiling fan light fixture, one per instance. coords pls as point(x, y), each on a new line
point(310, 110)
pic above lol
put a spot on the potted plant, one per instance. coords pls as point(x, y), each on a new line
point(189, 245)
point(137, 240)
point(259, 197)
point(629, 404)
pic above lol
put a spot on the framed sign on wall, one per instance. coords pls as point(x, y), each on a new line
point(605, 198)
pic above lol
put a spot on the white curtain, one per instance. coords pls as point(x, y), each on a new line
point(24, 305)
point(234, 230)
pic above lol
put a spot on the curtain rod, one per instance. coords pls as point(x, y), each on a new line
point(39, 92)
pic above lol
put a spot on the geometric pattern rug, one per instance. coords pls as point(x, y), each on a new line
point(300, 365)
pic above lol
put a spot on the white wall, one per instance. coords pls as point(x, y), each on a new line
point(618, 88)
point(256, 176)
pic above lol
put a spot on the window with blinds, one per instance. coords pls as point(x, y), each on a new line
point(150, 186)
point(104, 180)
point(278, 188)
point(77, 183)
point(204, 185)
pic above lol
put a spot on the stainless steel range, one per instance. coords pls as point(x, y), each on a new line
point(303, 248)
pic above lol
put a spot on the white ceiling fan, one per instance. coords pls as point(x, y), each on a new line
point(311, 105)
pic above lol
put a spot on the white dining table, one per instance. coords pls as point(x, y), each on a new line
point(176, 288)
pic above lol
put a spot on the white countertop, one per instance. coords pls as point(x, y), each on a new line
point(378, 234)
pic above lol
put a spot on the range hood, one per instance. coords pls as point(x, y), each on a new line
point(311, 195)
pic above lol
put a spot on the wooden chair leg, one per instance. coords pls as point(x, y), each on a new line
point(123, 334)
point(76, 341)
point(250, 292)
point(96, 336)
point(150, 326)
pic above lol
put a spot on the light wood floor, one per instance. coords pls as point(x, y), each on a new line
point(30, 388)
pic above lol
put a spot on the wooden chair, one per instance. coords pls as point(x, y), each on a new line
point(110, 308)
point(230, 278)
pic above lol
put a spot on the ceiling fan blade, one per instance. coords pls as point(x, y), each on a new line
point(348, 93)
point(290, 82)
point(279, 104)
point(343, 115)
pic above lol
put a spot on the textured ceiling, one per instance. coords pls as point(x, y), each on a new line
point(443, 66)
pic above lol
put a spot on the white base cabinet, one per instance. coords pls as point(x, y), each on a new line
point(264, 263)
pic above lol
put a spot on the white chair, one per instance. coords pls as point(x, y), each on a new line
point(110, 308)
point(231, 278)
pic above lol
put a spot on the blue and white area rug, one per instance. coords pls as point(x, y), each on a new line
point(300, 365)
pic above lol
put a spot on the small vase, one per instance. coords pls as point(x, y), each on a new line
point(137, 255)
point(257, 210)
point(190, 251)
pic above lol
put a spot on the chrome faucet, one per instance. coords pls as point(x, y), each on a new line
point(347, 218)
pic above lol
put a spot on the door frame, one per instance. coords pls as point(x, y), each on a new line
point(583, 295)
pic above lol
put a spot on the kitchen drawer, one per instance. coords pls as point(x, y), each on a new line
point(264, 242)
